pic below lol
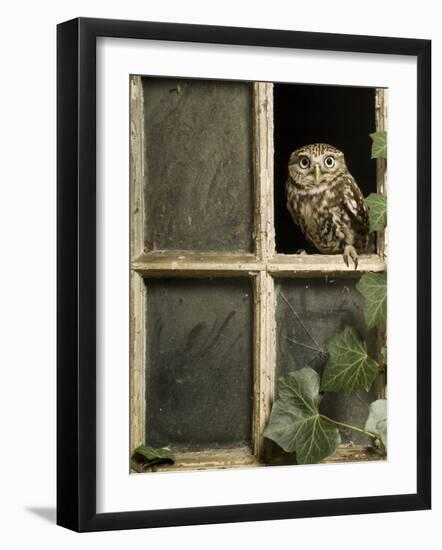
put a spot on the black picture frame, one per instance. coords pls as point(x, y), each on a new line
point(76, 273)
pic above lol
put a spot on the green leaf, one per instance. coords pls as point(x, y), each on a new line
point(149, 456)
point(377, 211)
point(349, 367)
point(379, 145)
point(377, 419)
point(373, 287)
point(295, 423)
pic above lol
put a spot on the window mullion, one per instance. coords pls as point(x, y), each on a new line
point(137, 352)
point(264, 152)
point(265, 334)
point(381, 164)
point(264, 326)
point(137, 165)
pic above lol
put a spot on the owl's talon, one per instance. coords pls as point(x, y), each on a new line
point(350, 252)
point(301, 252)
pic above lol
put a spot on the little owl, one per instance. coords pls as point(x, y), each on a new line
point(326, 202)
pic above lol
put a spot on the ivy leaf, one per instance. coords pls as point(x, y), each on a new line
point(295, 423)
point(349, 367)
point(377, 419)
point(379, 145)
point(148, 456)
point(377, 211)
point(384, 354)
point(373, 287)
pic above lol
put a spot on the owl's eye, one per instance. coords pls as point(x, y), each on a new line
point(329, 162)
point(304, 162)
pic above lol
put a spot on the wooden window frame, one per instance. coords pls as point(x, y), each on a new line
point(263, 266)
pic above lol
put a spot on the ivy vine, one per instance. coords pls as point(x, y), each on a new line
point(146, 458)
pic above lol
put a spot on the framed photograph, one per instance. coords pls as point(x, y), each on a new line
point(230, 201)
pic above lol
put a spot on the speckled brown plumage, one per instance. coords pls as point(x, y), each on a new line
point(326, 202)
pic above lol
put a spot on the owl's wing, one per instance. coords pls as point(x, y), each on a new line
point(291, 198)
point(355, 204)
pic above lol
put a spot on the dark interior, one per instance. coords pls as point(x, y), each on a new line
point(341, 116)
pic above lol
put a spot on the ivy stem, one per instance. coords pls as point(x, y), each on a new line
point(350, 427)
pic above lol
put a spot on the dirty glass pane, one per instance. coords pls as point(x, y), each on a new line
point(198, 164)
point(309, 312)
point(199, 373)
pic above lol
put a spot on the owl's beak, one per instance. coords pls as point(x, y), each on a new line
point(317, 173)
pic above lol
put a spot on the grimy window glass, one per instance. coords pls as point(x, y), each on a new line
point(199, 363)
point(310, 312)
point(198, 165)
